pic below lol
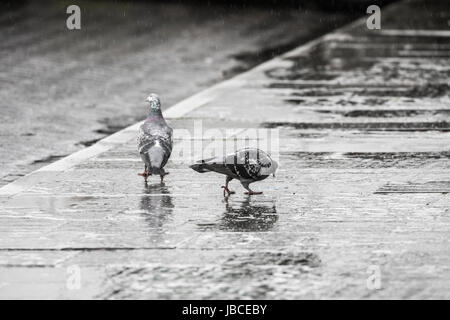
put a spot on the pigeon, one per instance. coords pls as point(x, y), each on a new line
point(154, 140)
point(246, 165)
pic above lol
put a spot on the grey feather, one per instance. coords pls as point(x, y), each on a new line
point(246, 165)
point(155, 139)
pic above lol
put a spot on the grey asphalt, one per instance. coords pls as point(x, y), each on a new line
point(358, 209)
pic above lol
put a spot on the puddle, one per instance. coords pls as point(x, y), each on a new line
point(158, 207)
point(283, 258)
point(249, 275)
point(111, 126)
point(366, 160)
point(335, 60)
point(419, 187)
point(312, 93)
point(398, 155)
point(371, 155)
point(431, 90)
point(249, 59)
point(88, 143)
point(442, 126)
point(114, 124)
point(323, 63)
point(248, 215)
point(388, 113)
point(420, 91)
point(49, 159)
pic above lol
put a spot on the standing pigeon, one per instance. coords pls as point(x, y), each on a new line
point(154, 140)
point(246, 165)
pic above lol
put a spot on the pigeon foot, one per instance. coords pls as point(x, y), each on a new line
point(226, 190)
point(162, 176)
point(251, 193)
point(144, 174)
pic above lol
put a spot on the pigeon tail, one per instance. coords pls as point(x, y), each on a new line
point(155, 158)
point(199, 167)
point(157, 171)
point(204, 165)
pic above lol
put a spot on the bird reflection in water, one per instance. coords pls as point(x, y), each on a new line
point(249, 215)
point(157, 204)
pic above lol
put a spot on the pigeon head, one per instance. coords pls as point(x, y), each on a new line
point(269, 169)
point(155, 103)
point(274, 167)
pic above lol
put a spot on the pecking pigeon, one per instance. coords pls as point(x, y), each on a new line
point(154, 140)
point(246, 165)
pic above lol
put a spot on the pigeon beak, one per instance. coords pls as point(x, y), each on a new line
point(273, 175)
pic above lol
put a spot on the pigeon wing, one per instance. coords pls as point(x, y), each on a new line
point(149, 133)
point(216, 164)
point(247, 163)
point(166, 141)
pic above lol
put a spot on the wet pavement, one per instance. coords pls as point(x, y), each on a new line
point(363, 127)
point(62, 90)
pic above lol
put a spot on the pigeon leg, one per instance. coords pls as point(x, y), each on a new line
point(163, 175)
point(144, 174)
point(225, 187)
point(250, 192)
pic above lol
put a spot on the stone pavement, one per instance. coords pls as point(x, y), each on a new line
point(359, 207)
point(61, 90)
